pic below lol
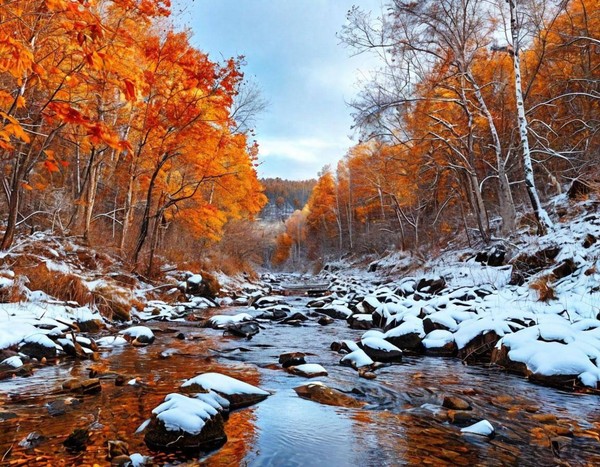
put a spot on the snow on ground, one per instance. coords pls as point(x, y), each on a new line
point(553, 335)
point(34, 321)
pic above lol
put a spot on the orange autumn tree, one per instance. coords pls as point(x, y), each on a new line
point(109, 120)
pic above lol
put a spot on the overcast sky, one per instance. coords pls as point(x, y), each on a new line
point(305, 74)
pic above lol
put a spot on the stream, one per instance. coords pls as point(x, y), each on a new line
point(402, 422)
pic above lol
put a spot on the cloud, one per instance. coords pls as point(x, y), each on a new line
point(299, 158)
point(294, 55)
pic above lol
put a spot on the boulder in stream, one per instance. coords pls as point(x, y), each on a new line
point(381, 350)
point(292, 359)
point(238, 393)
point(185, 423)
point(308, 370)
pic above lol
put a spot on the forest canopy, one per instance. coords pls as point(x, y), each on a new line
point(115, 128)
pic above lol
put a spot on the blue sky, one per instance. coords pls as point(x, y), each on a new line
point(304, 73)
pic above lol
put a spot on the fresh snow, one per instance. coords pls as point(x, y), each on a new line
point(483, 428)
point(220, 321)
point(183, 413)
point(223, 384)
point(138, 331)
point(357, 359)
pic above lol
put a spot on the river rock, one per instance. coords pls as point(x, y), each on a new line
point(39, 346)
point(361, 321)
point(77, 440)
point(408, 335)
point(500, 357)
point(482, 428)
point(344, 346)
point(440, 342)
point(295, 319)
point(319, 392)
point(62, 406)
point(90, 325)
point(83, 386)
point(325, 320)
point(222, 321)
point(273, 315)
point(116, 449)
point(337, 311)
point(356, 359)
point(186, 424)
point(308, 370)
point(456, 403)
point(245, 329)
point(292, 359)
point(381, 350)
point(238, 393)
point(431, 286)
point(479, 348)
point(138, 335)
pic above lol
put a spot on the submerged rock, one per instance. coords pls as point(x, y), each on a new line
point(319, 392)
point(456, 403)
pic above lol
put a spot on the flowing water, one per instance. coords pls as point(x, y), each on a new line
point(401, 423)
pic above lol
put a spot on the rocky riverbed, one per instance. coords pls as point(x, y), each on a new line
point(412, 412)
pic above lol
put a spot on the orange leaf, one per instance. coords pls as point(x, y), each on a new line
point(51, 166)
point(27, 186)
point(129, 90)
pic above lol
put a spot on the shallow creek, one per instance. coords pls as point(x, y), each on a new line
point(400, 425)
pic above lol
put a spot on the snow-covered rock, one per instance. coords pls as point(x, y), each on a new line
point(238, 393)
point(185, 423)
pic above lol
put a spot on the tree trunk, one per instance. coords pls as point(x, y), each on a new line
point(542, 217)
point(505, 198)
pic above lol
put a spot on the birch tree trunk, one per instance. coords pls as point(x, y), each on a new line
point(542, 217)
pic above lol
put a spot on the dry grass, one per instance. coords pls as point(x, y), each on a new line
point(14, 292)
point(114, 302)
point(62, 286)
point(544, 288)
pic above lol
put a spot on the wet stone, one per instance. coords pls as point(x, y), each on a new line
point(295, 319)
point(456, 403)
point(292, 359)
point(245, 329)
point(325, 320)
point(32, 440)
point(319, 392)
point(77, 440)
point(186, 424)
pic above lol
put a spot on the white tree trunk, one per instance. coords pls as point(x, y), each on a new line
point(544, 221)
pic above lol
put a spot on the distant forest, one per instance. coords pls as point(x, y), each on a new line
point(292, 194)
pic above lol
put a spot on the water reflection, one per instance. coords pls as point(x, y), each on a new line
point(535, 425)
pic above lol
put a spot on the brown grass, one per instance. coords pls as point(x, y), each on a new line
point(66, 287)
point(14, 292)
point(114, 302)
point(544, 288)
